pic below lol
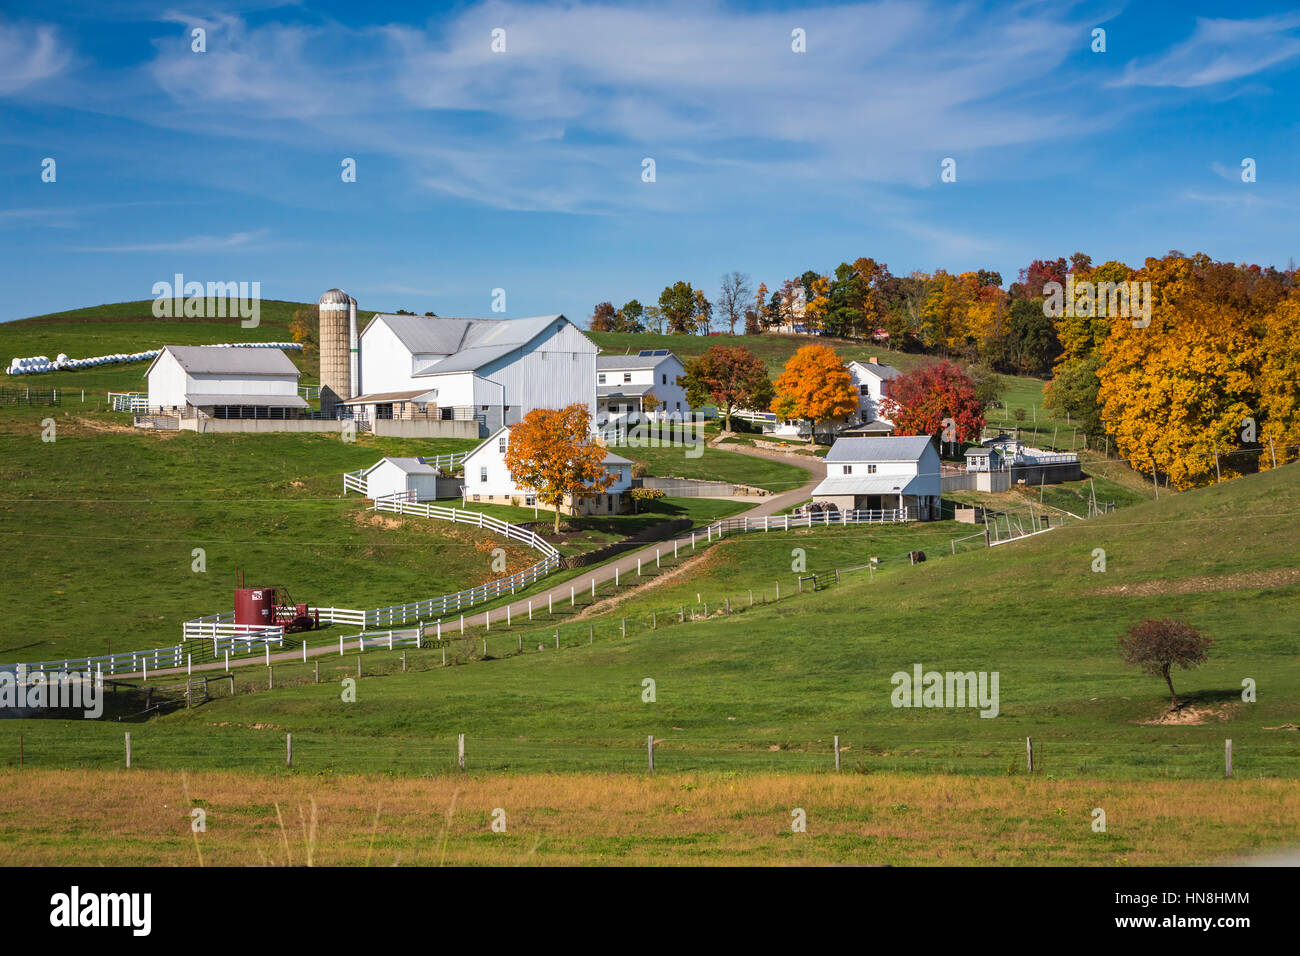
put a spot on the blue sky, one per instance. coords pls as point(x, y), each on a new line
point(522, 170)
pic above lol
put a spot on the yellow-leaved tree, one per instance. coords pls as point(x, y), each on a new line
point(552, 452)
point(1176, 392)
point(1279, 382)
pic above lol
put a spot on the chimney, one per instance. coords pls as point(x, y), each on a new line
point(874, 360)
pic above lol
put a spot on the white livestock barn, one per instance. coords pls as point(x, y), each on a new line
point(409, 476)
point(492, 370)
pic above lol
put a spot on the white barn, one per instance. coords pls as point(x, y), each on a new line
point(199, 381)
point(624, 381)
point(394, 476)
point(487, 479)
point(887, 473)
point(492, 370)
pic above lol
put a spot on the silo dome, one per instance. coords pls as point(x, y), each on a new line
point(336, 297)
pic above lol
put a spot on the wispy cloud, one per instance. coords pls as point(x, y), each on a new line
point(30, 53)
point(236, 242)
point(585, 90)
point(1220, 50)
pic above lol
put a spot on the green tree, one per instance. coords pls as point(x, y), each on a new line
point(677, 306)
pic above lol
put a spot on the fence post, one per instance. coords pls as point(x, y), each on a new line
point(1029, 752)
point(1227, 758)
point(340, 645)
point(128, 749)
point(288, 750)
point(403, 662)
point(649, 746)
point(681, 614)
point(530, 610)
point(318, 672)
point(623, 625)
point(778, 590)
point(654, 621)
point(460, 751)
point(656, 558)
point(557, 640)
point(837, 753)
point(270, 677)
point(227, 660)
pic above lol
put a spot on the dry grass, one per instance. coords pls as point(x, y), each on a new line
point(143, 817)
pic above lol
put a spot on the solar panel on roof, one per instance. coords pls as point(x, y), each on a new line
point(651, 353)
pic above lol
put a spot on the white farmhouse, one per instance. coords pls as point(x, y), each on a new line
point(409, 476)
point(869, 379)
point(201, 381)
point(487, 479)
point(624, 381)
point(492, 370)
point(883, 474)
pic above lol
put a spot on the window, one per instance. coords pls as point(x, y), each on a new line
point(627, 377)
point(501, 444)
point(384, 411)
point(665, 379)
point(871, 469)
point(863, 390)
point(848, 469)
point(600, 378)
point(446, 414)
point(530, 500)
point(482, 474)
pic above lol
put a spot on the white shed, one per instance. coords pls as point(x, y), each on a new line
point(393, 476)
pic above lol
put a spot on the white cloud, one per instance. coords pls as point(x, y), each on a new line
point(29, 53)
point(235, 242)
point(585, 90)
point(1220, 50)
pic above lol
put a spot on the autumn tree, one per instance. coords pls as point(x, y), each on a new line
point(733, 295)
point(760, 310)
point(603, 317)
point(1176, 391)
point(703, 313)
point(1279, 381)
point(729, 377)
point(304, 324)
point(551, 451)
point(920, 401)
point(630, 317)
point(815, 386)
point(1158, 646)
point(677, 306)
point(817, 290)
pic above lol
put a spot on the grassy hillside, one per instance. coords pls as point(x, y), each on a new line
point(765, 688)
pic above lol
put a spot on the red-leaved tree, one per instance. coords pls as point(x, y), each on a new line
point(923, 400)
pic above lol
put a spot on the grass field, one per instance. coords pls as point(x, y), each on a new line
point(143, 817)
point(764, 689)
point(715, 464)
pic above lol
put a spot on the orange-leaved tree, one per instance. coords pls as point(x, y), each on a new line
point(552, 452)
point(815, 385)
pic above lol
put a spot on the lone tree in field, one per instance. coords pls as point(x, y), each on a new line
point(730, 377)
point(1156, 646)
point(551, 452)
point(815, 385)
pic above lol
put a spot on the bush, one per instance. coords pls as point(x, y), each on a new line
point(639, 470)
point(1019, 414)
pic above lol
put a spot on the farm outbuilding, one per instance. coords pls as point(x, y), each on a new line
point(394, 476)
point(206, 381)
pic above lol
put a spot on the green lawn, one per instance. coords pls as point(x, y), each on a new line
point(764, 688)
point(715, 464)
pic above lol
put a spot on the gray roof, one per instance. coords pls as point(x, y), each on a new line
point(412, 466)
point(469, 344)
point(894, 448)
point(229, 360)
point(613, 459)
point(882, 371)
point(622, 390)
point(605, 363)
point(200, 400)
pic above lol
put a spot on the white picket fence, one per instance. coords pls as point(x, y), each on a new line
point(810, 520)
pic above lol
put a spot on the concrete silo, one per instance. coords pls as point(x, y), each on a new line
point(338, 349)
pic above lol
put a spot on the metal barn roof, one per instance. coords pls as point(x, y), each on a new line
point(893, 448)
point(215, 360)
